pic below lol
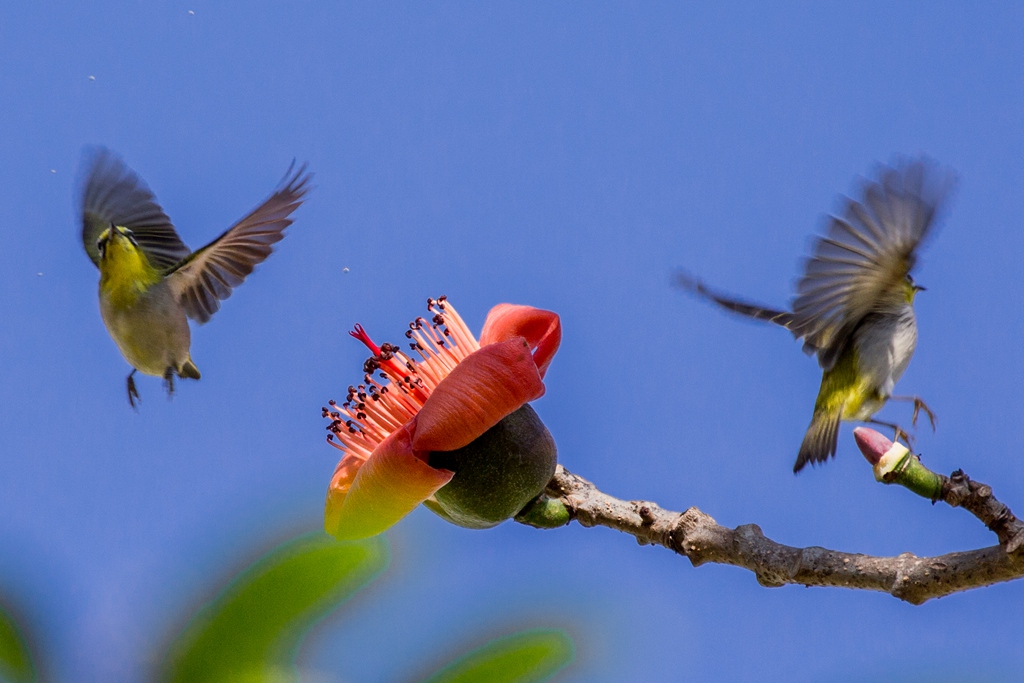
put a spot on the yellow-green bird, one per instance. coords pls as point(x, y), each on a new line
point(854, 303)
point(150, 282)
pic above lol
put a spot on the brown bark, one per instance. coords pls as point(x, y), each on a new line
point(701, 539)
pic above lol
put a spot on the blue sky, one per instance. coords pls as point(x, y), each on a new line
point(567, 156)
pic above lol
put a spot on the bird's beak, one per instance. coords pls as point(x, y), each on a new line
point(919, 288)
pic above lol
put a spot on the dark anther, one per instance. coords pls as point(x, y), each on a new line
point(331, 402)
point(443, 298)
point(438, 319)
point(408, 334)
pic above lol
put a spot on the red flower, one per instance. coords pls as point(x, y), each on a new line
point(407, 409)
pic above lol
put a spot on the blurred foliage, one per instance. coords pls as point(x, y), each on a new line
point(524, 657)
point(252, 631)
point(16, 664)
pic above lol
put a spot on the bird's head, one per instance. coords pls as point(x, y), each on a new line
point(114, 242)
point(910, 289)
point(123, 265)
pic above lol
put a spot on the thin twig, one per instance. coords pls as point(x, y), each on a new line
point(701, 539)
point(959, 491)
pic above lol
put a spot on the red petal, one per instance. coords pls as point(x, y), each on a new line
point(542, 329)
point(366, 500)
point(481, 390)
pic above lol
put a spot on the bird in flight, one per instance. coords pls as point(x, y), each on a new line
point(150, 282)
point(854, 303)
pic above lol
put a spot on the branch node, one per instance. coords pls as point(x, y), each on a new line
point(1015, 543)
point(685, 534)
point(645, 514)
point(749, 531)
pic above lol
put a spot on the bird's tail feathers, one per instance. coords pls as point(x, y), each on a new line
point(189, 370)
point(691, 284)
point(821, 437)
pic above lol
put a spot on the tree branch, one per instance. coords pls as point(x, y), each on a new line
point(959, 491)
point(701, 539)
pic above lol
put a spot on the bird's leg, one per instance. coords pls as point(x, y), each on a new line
point(169, 382)
point(133, 393)
point(919, 405)
point(898, 432)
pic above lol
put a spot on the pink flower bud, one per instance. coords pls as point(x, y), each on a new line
point(872, 444)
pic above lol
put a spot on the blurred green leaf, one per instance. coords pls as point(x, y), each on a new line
point(524, 657)
point(15, 659)
point(253, 630)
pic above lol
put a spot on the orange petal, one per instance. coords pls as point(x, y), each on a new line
point(341, 482)
point(385, 488)
point(481, 390)
point(542, 329)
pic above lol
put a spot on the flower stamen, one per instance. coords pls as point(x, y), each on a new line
point(378, 407)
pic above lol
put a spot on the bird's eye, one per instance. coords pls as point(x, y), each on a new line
point(100, 246)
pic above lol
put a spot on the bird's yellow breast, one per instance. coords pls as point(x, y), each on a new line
point(845, 387)
point(125, 272)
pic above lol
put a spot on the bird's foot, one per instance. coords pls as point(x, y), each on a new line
point(133, 393)
point(169, 382)
point(898, 432)
point(919, 405)
point(899, 435)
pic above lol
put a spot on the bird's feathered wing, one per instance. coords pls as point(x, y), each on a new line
point(206, 277)
point(860, 262)
point(746, 308)
point(865, 255)
point(113, 193)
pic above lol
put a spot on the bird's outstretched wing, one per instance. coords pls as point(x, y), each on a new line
point(207, 276)
point(113, 193)
point(865, 255)
point(686, 281)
